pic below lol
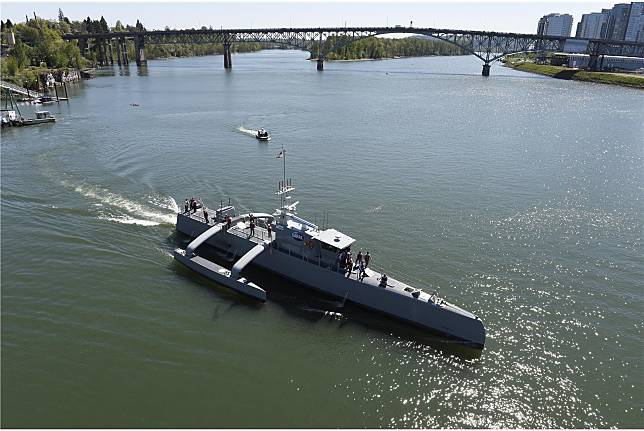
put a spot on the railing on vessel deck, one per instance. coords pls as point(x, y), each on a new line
point(397, 276)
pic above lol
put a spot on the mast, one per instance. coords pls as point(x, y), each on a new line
point(285, 185)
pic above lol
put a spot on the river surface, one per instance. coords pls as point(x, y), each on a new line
point(518, 197)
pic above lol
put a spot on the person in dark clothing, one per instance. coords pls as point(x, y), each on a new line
point(252, 228)
point(361, 272)
point(367, 259)
point(229, 220)
point(383, 280)
point(186, 207)
point(270, 232)
point(342, 258)
point(205, 215)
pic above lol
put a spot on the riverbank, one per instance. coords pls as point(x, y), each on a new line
point(560, 72)
point(396, 57)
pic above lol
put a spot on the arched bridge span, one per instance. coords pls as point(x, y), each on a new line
point(487, 46)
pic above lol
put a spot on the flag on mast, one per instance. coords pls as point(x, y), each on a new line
point(279, 156)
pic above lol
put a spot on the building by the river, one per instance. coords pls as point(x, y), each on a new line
point(555, 24)
point(623, 21)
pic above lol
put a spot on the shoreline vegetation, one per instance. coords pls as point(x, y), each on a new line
point(568, 73)
point(39, 49)
point(342, 48)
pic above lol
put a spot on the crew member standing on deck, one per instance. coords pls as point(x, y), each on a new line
point(252, 226)
point(186, 207)
point(361, 272)
point(359, 260)
point(342, 257)
point(270, 232)
point(205, 214)
point(349, 264)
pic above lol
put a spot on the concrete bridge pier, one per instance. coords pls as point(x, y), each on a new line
point(82, 46)
point(596, 62)
point(99, 51)
point(110, 53)
point(118, 52)
point(486, 69)
point(320, 65)
point(228, 60)
point(139, 47)
point(126, 61)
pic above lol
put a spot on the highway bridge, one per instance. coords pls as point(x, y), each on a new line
point(488, 46)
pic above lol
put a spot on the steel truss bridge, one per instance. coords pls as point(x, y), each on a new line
point(487, 46)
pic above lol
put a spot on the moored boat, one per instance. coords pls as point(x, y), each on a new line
point(41, 117)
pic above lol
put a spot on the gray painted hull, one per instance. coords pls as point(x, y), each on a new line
point(220, 275)
point(441, 317)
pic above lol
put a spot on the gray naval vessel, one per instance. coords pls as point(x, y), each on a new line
point(294, 248)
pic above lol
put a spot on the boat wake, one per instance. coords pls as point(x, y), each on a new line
point(326, 313)
point(246, 131)
point(150, 210)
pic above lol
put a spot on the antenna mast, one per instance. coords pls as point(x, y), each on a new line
point(285, 186)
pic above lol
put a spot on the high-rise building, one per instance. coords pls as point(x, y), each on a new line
point(623, 21)
point(635, 26)
point(617, 21)
point(555, 24)
point(593, 26)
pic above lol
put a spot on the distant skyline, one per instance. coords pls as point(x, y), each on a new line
point(497, 16)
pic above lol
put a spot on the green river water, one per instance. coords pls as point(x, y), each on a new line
point(518, 197)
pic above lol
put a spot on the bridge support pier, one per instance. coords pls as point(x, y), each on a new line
point(320, 65)
point(139, 47)
point(110, 52)
point(486, 70)
point(126, 61)
point(82, 46)
point(100, 52)
point(118, 52)
point(595, 63)
point(228, 59)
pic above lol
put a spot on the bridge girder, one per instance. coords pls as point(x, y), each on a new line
point(487, 46)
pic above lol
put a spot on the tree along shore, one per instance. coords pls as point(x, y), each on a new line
point(375, 48)
point(39, 48)
point(562, 72)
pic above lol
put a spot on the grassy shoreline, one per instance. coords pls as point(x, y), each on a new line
point(560, 72)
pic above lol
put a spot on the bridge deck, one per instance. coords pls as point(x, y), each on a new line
point(19, 90)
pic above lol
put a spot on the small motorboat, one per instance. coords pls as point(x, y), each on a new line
point(41, 117)
point(47, 100)
point(263, 135)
